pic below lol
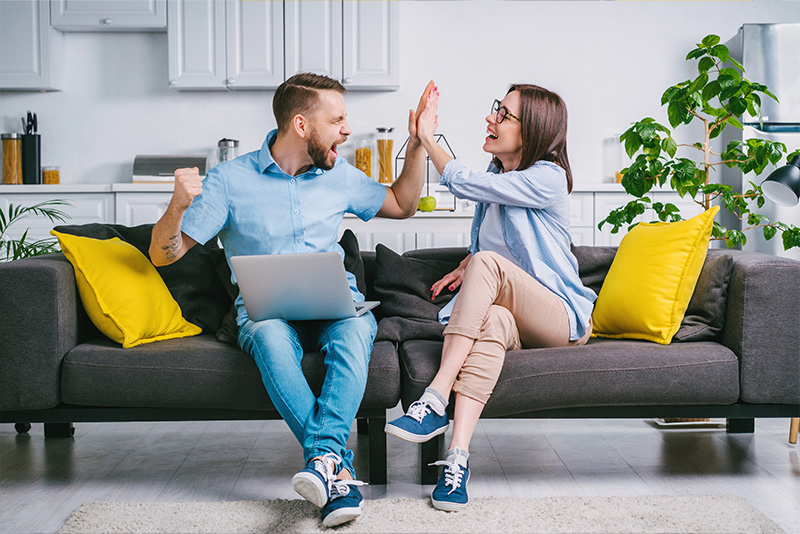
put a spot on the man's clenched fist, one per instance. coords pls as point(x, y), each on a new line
point(188, 185)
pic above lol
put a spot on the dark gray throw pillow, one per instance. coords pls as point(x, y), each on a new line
point(192, 281)
point(403, 284)
point(593, 264)
point(705, 316)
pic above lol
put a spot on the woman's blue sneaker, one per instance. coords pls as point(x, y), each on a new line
point(419, 424)
point(450, 493)
point(344, 503)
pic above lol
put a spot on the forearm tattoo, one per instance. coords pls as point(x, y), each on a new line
point(171, 250)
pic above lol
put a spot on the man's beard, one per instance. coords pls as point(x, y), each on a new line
point(319, 153)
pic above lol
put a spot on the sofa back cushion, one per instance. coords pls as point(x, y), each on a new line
point(193, 281)
point(705, 316)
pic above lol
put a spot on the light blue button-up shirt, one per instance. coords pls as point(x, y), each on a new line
point(534, 216)
point(256, 208)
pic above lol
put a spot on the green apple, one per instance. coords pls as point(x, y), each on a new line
point(427, 204)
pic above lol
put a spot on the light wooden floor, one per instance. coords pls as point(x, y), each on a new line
point(43, 481)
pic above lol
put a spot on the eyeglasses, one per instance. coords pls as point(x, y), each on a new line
point(501, 112)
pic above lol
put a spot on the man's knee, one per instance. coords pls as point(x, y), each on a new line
point(270, 336)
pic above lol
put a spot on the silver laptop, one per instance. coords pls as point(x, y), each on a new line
point(296, 287)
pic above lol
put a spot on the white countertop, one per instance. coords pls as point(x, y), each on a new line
point(167, 188)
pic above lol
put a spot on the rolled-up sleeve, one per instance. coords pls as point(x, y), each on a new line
point(538, 186)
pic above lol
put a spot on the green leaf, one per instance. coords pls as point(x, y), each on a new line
point(736, 63)
point(711, 90)
point(632, 142)
point(676, 112)
point(710, 40)
point(720, 51)
point(737, 105)
point(769, 232)
point(733, 121)
point(705, 64)
point(791, 238)
point(669, 146)
point(696, 53)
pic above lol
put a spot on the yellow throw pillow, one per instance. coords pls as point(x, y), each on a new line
point(652, 278)
point(122, 292)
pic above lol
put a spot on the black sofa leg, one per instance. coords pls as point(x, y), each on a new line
point(22, 428)
point(741, 426)
point(429, 452)
point(58, 430)
point(377, 449)
point(362, 426)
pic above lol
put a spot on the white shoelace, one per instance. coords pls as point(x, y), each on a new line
point(326, 466)
point(454, 471)
point(341, 488)
point(418, 410)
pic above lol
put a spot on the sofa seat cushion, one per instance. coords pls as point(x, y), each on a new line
point(601, 373)
point(197, 372)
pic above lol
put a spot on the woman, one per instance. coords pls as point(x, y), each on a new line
point(519, 284)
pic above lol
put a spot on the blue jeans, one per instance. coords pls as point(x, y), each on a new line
point(321, 425)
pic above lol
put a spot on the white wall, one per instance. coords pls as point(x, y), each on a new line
point(609, 60)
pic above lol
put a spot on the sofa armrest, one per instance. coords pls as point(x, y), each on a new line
point(762, 326)
point(38, 326)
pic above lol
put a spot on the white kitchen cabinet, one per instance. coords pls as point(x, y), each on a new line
point(231, 44)
point(254, 44)
point(313, 38)
point(196, 44)
point(133, 209)
point(371, 44)
point(109, 15)
point(257, 44)
point(32, 56)
point(88, 205)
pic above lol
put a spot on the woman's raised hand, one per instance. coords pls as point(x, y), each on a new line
point(414, 116)
point(427, 119)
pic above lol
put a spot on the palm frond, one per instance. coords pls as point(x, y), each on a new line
point(14, 249)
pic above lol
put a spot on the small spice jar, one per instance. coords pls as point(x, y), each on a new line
point(12, 158)
point(51, 175)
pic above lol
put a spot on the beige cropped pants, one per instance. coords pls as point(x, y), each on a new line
point(502, 308)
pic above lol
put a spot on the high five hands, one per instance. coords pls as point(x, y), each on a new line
point(426, 108)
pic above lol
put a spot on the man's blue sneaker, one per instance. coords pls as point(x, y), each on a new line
point(314, 481)
point(419, 424)
point(450, 493)
point(344, 503)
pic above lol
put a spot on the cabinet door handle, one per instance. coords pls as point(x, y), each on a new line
point(230, 81)
point(173, 82)
point(106, 21)
point(348, 80)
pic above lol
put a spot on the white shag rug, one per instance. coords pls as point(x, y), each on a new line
point(709, 514)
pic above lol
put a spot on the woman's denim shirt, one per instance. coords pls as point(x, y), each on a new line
point(534, 215)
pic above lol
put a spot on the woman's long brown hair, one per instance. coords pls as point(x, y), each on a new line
point(544, 128)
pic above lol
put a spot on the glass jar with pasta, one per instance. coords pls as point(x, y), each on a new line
point(385, 143)
point(364, 150)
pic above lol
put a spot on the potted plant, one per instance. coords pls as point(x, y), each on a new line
point(14, 249)
point(717, 97)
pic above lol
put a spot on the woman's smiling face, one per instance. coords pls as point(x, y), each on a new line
point(504, 140)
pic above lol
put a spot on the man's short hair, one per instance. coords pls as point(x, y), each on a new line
point(300, 94)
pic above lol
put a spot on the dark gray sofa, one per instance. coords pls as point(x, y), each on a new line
point(745, 366)
point(57, 369)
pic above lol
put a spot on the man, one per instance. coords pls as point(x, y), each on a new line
point(290, 197)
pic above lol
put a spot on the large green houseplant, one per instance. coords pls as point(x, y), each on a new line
point(717, 97)
point(14, 249)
